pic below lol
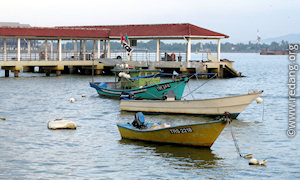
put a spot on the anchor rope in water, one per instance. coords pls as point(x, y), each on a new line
point(235, 142)
point(263, 110)
point(248, 156)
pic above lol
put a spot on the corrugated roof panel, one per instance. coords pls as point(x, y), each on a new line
point(145, 31)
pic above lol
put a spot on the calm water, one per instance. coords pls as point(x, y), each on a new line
point(28, 150)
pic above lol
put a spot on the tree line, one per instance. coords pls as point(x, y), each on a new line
point(207, 47)
point(168, 47)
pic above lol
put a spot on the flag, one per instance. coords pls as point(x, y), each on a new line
point(123, 39)
point(127, 40)
point(125, 44)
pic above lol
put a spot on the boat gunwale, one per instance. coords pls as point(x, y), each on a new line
point(178, 126)
point(165, 101)
point(184, 79)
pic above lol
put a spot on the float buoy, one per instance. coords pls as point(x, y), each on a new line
point(83, 95)
point(259, 100)
point(173, 57)
point(61, 124)
point(254, 161)
point(248, 156)
point(3, 118)
point(72, 100)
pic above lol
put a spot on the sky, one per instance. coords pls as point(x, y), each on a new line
point(240, 19)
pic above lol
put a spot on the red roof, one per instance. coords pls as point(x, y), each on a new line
point(54, 32)
point(160, 30)
point(147, 31)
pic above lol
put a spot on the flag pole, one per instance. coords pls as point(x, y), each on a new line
point(93, 70)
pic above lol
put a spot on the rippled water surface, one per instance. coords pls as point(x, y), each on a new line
point(28, 150)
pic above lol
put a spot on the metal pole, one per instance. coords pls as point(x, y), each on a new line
point(99, 45)
point(93, 72)
point(19, 49)
point(219, 50)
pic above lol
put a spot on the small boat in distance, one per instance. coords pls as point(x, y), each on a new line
point(209, 107)
point(200, 134)
point(274, 52)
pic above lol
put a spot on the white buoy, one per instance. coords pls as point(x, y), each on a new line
point(248, 156)
point(72, 100)
point(263, 162)
point(259, 100)
point(61, 124)
point(83, 95)
point(253, 161)
point(126, 66)
point(122, 66)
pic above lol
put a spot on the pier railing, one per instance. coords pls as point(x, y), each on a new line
point(73, 56)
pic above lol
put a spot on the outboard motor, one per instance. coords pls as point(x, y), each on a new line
point(127, 95)
point(139, 121)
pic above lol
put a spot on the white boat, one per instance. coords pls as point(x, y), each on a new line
point(210, 107)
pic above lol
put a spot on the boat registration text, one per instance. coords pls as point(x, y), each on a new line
point(163, 87)
point(181, 130)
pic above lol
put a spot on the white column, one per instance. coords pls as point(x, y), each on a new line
point(51, 50)
point(158, 50)
point(5, 50)
point(19, 50)
point(108, 48)
point(28, 50)
point(94, 50)
point(59, 50)
point(80, 50)
point(99, 47)
point(105, 49)
point(84, 49)
point(46, 50)
point(75, 50)
point(188, 49)
point(219, 50)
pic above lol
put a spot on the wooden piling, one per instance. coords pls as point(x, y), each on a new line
point(16, 73)
point(6, 73)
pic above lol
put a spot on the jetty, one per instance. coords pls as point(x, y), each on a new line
point(51, 55)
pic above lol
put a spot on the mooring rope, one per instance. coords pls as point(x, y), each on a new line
point(200, 86)
point(263, 110)
point(248, 156)
point(190, 90)
point(235, 142)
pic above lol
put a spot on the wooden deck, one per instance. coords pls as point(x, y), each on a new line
point(223, 68)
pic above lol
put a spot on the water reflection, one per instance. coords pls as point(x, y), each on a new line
point(183, 156)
